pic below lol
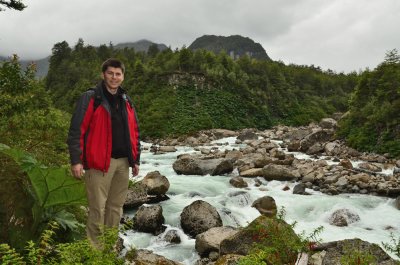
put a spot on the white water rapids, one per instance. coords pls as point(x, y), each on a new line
point(378, 216)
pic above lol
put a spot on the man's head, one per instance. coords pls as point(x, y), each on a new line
point(113, 74)
point(112, 62)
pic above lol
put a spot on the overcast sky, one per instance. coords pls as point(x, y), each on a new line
point(342, 35)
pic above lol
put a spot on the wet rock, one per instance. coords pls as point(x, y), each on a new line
point(172, 236)
point(149, 220)
point(238, 182)
point(247, 134)
point(370, 167)
point(210, 240)
point(336, 250)
point(266, 206)
point(279, 172)
point(144, 256)
point(167, 149)
point(194, 166)
point(136, 196)
point(198, 217)
point(156, 184)
point(251, 173)
point(300, 189)
point(346, 163)
point(343, 217)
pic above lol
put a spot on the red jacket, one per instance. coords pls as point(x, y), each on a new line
point(90, 134)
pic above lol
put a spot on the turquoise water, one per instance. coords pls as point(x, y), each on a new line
point(378, 216)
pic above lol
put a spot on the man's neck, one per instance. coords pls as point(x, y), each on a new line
point(112, 91)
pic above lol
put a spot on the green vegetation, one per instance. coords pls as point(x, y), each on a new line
point(30, 124)
point(49, 252)
point(12, 4)
point(276, 243)
point(374, 107)
point(183, 91)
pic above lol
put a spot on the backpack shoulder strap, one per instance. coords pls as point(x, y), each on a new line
point(127, 99)
point(97, 97)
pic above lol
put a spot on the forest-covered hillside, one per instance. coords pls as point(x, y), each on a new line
point(182, 91)
point(373, 122)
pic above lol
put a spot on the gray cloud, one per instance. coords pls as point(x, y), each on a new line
point(337, 34)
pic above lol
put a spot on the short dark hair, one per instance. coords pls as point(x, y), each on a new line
point(112, 62)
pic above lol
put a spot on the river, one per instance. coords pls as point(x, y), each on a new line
point(378, 216)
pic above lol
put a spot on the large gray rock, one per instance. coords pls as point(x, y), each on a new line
point(346, 163)
point(332, 149)
point(144, 256)
point(187, 165)
point(149, 220)
point(320, 136)
point(223, 133)
point(266, 206)
point(370, 167)
point(328, 123)
point(279, 172)
point(172, 236)
point(238, 182)
point(166, 149)
point(349, 248)
point(156, 183)
point(300, 189)
point(257, 231)
point(198, 217)
point(343, 217)
point(251, 173)
point(136, 196)
point(247, 134)
point(211, 239)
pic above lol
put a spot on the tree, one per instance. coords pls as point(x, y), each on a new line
point(12, 4)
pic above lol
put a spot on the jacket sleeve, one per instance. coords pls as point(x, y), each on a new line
point(79, 124)
point(138, 149)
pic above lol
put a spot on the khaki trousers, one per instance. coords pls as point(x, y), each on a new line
point(106, 194)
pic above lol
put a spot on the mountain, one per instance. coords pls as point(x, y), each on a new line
point(42, 65)
point(235, 45)
point(140, 46)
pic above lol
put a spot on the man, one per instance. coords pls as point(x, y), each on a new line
point(103, 140)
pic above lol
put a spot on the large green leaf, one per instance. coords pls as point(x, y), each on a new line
point(55, 186)
point(52, 186)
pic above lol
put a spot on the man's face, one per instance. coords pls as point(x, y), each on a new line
point(113, 78)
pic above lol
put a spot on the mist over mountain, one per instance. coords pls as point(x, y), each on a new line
point(235, 46)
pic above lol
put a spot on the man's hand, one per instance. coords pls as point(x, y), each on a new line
point(135, 170)
point(77, 171)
